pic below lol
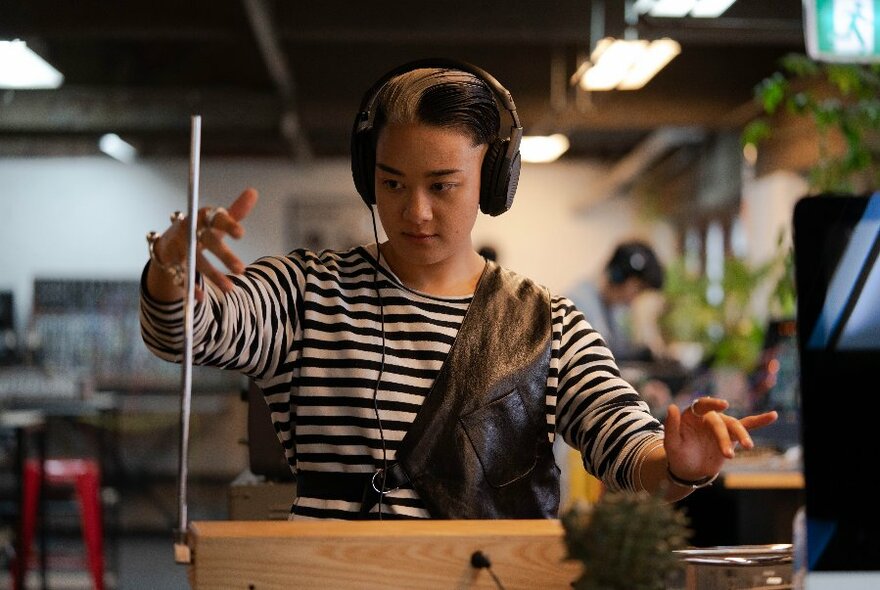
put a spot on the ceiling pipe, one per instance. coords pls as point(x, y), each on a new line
point(258, 13)
point(629, 168)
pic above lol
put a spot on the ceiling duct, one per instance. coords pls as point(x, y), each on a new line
point(270, 47)
point(628, 169)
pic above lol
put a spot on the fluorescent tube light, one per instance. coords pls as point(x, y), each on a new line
point(627, 64)
point(543, 148)
point(653, 59)
point(672, 8)
point(711, 8)
point(611, 59)
point(22, 68)
point(682, 8)
point(113, 145)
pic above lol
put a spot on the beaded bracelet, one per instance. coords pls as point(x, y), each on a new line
point(177, 271)
point(694, 485)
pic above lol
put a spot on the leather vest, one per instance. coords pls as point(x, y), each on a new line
point(478, 447)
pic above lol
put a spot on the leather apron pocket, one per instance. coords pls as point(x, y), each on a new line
point(504, 438)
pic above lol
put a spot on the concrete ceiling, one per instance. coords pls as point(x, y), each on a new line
point(284, 79)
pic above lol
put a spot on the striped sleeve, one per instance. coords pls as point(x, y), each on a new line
point(247, 329)
point(598, 412)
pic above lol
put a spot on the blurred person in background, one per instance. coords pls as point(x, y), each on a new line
point(607, 303)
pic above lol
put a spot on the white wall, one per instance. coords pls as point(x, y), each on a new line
point(767, 211)
point(87, 217)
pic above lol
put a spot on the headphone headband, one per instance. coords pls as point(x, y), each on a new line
point(365, 112)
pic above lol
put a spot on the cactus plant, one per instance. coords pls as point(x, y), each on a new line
point(625, 541)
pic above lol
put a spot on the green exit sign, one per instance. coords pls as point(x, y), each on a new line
point(843, 30)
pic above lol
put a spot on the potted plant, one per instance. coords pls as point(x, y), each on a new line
point(626, 541)
point(842, 103)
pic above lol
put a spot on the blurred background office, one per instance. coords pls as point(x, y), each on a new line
point(95, 153)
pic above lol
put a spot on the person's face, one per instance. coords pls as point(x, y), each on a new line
point(626, 292)
point(427, 193)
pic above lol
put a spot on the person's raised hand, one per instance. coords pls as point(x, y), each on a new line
point(699, 439)
point(213, 226)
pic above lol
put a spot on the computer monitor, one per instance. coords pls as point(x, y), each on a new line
point(837, 274)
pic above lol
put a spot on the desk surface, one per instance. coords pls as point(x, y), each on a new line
point(762, 480)
point(772, 471)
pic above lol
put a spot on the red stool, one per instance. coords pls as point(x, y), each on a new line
point(85, 476)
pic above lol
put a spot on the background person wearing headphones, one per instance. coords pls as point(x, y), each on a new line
point(632, 269)
point(415, 378)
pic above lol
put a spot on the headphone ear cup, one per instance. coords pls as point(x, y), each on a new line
point(363, 165)
point(499, 178)
point(488, 176)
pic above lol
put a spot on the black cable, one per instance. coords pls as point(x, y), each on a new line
point(479, 560)
point(381, 364)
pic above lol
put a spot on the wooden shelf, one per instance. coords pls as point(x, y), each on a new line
point(363, 555)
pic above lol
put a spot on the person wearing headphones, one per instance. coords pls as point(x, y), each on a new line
point(414, 378)
point(632, 269)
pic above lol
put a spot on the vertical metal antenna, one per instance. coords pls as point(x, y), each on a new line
point(181, 547)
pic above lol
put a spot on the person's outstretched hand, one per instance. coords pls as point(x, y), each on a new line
point(699, 439)
point(214, 224)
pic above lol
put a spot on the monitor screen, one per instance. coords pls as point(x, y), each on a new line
point(836, 243)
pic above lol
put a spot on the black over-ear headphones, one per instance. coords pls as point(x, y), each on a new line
point(501, 166)
point(635, 259)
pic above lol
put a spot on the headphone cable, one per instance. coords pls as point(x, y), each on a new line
point(381, 364)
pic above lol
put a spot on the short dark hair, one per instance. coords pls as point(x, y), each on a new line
point(440, 97)
point(635, 259)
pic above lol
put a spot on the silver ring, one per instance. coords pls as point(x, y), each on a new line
point(211, 213)
point(693, 408)
point(177, 216)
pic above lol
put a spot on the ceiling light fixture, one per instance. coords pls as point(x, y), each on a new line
point(115, 147)
point(682, 8)
point(541, 149)
point(21, 68)
point(626, 64)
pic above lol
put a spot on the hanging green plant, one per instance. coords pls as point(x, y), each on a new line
point(843, 103)
point(626, 541)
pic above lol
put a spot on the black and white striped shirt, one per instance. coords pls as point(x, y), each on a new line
point(308, 327)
